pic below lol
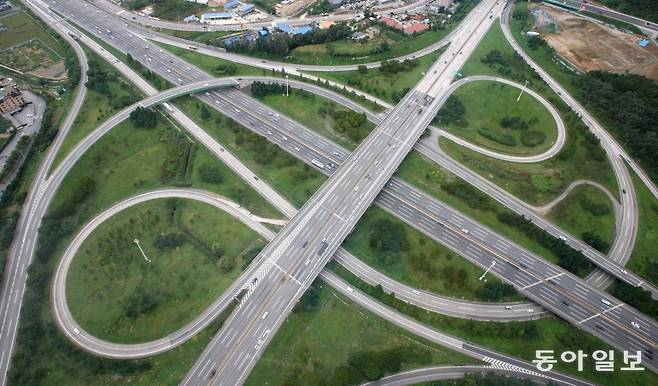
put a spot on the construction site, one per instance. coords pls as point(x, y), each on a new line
point(588, 45)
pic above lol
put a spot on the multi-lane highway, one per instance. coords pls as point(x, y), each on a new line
point(155, 55)
point(429, 87)
point(299, 252)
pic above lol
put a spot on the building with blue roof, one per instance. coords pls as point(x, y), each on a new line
point(644, 43)
point(245, 9)
point(294, 31)
point(191, 19)
point(209, 17)
point(231, 4)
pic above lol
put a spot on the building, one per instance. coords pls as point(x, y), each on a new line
point(214, 16)
point(644, 43)
point(204, 2)
point(245, 9)
point(11, 99)
point(336, 3)
point(415, 28)
point(294, 31)
point(359, 36)
point(231, 4)
point(395, 24)
point(191, 19)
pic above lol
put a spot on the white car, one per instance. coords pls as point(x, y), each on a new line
point(464, 230)
point(350, 290)
point(265, 315)
point(635, 324)
point(604, 301)
point(77, 330)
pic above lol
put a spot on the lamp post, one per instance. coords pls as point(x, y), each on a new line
point(141, 250)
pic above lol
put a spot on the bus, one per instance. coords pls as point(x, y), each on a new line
point(317, 163)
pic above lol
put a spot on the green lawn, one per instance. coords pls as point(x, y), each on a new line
point(424, 264)
point(643, 260)
point(321, 346)
point(487, 103)
point(98, 106)
point(311, 111)
point(116, 295)
point(21, 28)
point(386, 86)
point(576, 214)
point(519, 339)
point(293, 179)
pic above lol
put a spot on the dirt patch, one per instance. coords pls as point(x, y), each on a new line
point(55, 72)
point(590, 46)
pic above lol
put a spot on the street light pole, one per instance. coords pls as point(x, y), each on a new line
point(141, 250)
point(287, 85)
point(488, 269)
point(522, 90)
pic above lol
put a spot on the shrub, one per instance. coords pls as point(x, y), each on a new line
point(532, 138)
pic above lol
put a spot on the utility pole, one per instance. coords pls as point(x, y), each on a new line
point(287, 85)
point(141, 250)
point(488, 269)
point(522, 90)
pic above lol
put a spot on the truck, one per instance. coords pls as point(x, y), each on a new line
point(168, 107)
point(323, 247)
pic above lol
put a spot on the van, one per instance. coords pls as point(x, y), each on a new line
point(350, 290)
point(264, 315)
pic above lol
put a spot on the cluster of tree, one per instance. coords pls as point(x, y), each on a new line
point(422, 263)
point(169, 240)
point(514, 123)
point(144, 118)
point(392, 67)
point(397, 95)
point(568, 258)
point(280, 43)
point(627, 104)
point(15, 157)
point(388, 239)
point(323, 6)
point(495, 291)
point(309, 301)
point(467, 193)
point(454, 278)
point(596, 242)
point(226, 264)
point(82, 188)
point(501, 138)
point(373, 365)
point(99, 79)
point(210, 174)
point(351, 123)
point(636, 297)
point(645, 9)
point(597, 209)
point(225, 69)
point(140, 302)
point(157, 81)
point(452, 111)
point(532, 138)
point(249, 256)
point(495, 57)
point(261, 89)
point(177, 163)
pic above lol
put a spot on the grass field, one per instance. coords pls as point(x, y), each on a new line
point(116, 295)
point(289, 176)
point(643, 260)
point(98, 106)
point(389, 87)
point(424, 264)
point(318, 347)
point(487, 103)
point(573, 215)
point(519, 339)
point(535, 183)
point(21, 28)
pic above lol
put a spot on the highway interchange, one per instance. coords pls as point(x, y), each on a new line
point(322, 152)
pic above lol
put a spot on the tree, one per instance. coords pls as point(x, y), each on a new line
point(362, 69)
point(226, 264)
point(452, 111)
point(143, 118)
point(205, 114)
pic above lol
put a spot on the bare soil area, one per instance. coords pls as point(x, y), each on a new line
point(590, 46)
